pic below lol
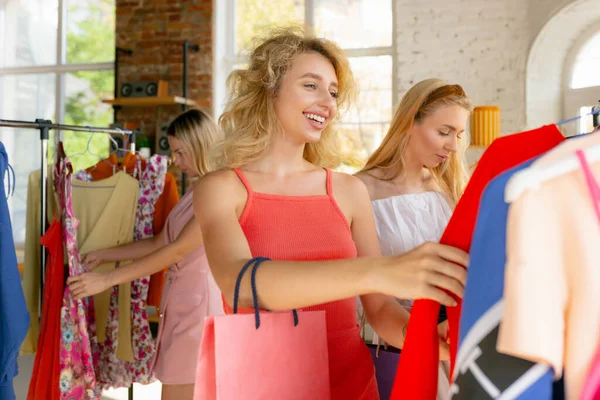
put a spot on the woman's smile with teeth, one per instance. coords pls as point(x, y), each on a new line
point(314, 117)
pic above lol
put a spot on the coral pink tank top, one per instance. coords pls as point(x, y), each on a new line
point(313, 228)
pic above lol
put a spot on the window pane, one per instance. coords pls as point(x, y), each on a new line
point(256, 17)
point(366, 123)
point(587, 65)
point(355, 24)
point(24, 97)
point(240, 66)
point(90, 31)
point(28, 31)
point(83, 106)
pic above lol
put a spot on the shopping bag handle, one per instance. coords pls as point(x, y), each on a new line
point(255, 263)
point(238, 282)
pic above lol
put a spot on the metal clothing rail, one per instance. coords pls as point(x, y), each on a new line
point(41, 124)
point(44, 127)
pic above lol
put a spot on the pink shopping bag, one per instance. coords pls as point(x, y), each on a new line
point(263, 356)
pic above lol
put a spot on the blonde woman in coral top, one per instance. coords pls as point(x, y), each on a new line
point(277, 197)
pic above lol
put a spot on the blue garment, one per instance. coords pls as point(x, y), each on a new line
point(480, 371)
point(14, 318)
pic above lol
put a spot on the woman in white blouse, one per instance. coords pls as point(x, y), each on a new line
point(417, 174)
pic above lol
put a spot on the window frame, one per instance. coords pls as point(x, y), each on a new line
point(61, 68)
point(574, 99)
point(225, 57)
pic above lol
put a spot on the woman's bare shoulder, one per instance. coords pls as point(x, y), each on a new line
point(223, 184)
point(371, 181)
point(348, 184)
point(364, 176)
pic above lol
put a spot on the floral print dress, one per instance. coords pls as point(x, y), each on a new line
point(78, 344)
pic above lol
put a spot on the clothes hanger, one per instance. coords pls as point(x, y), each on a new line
point(89, 151)
point(532, 177)
point(121, 159)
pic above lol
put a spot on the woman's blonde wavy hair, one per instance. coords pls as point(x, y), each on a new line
point(420, 101)
point(249, 118)
point(199, 132)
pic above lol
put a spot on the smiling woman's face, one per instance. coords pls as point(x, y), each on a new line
point(306, 100)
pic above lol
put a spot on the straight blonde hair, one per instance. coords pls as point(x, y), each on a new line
point(249, 118)
point(420, 101)
point(199, 132)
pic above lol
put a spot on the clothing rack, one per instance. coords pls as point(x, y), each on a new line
point(44, 127)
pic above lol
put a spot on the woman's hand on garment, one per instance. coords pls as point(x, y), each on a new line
point(418, 274)
point(88, 284)
point(423, 273)
point(444, 344)
point(129, 251)
point(93, 259)
point(189, 239)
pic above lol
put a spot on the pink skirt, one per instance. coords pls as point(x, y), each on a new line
point(186, 301)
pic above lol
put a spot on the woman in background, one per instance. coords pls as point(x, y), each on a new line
point(190, 293)
point(417, 175)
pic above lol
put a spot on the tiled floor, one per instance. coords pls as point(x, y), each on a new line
point(140, 392)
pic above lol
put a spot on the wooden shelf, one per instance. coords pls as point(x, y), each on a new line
point(149, 101)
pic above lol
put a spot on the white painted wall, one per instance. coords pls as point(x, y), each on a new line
point(485, 46)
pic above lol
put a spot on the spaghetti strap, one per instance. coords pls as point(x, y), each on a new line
point(591, 181)
point(328, 182)
point(242, 177)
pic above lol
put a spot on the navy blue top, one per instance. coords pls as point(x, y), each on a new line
point(14, 318)
point(481, 371)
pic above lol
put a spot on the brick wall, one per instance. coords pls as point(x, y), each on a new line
point(481, 45)
point(485, 46)
point(155, 30)
point(551, 57)
point(540, 12)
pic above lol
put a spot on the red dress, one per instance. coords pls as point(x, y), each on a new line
point(416, 377)
point(44, 384)
point(313, 228)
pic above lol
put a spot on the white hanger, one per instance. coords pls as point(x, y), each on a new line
point(89, 151)
point(532, 177)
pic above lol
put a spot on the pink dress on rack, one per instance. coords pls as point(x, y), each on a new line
point(591, 388)
point(190, 294)
point(78, 344)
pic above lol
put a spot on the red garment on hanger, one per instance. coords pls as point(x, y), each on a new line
point(416, 377)
point(162, 208)
point(44, 384)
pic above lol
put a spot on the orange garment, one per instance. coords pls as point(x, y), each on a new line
point(311, 228)
point(165, 203)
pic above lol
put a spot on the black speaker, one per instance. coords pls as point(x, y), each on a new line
point(143, 89)
point(162, 143)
